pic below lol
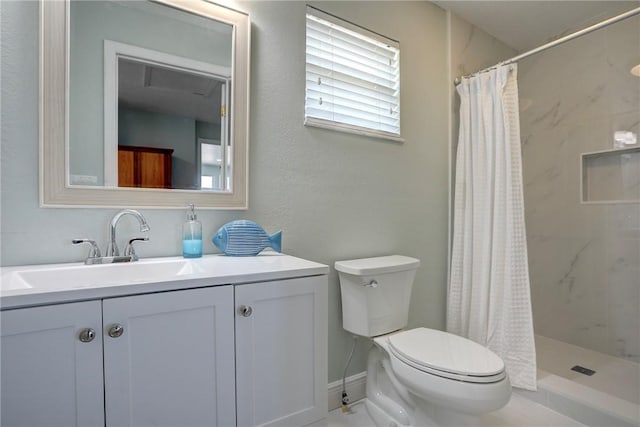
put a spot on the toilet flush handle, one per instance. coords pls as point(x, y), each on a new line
point(373, 283)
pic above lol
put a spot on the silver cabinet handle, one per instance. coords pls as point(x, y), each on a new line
point(245, 310)
point(87, 335)
point(115, 331)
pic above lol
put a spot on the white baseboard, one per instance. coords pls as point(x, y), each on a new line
point(355, 386)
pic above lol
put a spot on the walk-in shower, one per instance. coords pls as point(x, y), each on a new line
point(580, 117)
point(580, 121)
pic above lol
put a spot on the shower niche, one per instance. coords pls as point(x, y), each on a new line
point(611, 176)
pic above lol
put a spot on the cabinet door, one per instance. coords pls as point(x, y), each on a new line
point(281, 352)
point(48, 376)
point(155, 172)
point(170, 362)
point(126, 166)
point(147, 167)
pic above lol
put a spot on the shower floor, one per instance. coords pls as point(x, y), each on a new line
point(609, 397)
point(614, 376)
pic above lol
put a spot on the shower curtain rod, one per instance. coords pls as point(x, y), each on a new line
point(557, 42)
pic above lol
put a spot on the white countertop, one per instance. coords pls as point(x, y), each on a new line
point(210, 270)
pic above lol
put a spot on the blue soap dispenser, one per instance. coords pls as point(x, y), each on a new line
point(192, 235)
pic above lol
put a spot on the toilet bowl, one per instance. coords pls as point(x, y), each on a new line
point(417, 377)
point(447, 370)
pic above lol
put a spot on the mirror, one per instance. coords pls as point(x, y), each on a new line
point(155, 103)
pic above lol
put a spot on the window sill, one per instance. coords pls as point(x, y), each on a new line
point(341, 127)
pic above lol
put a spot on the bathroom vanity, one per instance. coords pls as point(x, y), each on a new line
point(214, 341)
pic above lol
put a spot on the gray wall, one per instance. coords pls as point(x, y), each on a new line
point(335, 196)
point(584, 260)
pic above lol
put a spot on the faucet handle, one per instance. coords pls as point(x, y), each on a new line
point(130, 251)
point(94, 252)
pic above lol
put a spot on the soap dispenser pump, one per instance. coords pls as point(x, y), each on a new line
point(192, 235)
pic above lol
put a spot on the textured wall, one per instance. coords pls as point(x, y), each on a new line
point(335, 196)
point(584, 259)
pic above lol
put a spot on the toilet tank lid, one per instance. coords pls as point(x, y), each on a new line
point(377, 265)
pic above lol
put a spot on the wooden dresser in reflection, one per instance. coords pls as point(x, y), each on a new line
point(147, 167)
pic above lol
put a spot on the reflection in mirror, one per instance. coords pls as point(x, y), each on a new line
point(215, 168)
point(152, 95)
point(161, 95)
point(174, 110)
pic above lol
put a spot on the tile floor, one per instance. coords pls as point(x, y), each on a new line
point(520, 412)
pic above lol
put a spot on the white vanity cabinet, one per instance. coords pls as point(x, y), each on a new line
point(199, 354)
point(168, 361)
point(48, 376)
point(281, 352)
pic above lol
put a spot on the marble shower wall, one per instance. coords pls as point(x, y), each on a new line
point(584, 259)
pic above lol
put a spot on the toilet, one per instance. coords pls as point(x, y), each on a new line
point(417, 377)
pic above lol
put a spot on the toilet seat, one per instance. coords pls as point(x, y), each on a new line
point(446, 355)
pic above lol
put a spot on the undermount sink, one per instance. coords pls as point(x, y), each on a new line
point(83, 276)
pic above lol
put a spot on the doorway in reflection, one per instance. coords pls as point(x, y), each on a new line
point(215, 172)
point(171, 127)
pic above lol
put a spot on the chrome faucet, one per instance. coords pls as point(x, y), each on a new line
point(112, 247)
point(95, 250)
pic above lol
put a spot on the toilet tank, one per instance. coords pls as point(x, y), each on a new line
point(376, 293)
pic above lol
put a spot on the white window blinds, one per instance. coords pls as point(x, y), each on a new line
point(352, 78)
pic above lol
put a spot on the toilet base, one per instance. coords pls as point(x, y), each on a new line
point(390, 404)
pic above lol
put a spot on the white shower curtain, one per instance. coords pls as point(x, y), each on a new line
point(489, 298)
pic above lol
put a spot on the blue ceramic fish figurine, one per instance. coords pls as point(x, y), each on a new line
point(245, 238)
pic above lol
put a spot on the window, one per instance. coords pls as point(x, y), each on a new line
point(352, 78)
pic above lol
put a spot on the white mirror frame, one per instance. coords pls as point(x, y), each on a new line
point(55, 190)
